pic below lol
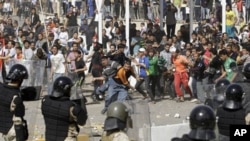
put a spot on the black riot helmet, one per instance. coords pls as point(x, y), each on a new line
point(16, 74)
point(62, 87)
point(202, 123)
point(233, 100)
point(221, 86)
point(246, 71)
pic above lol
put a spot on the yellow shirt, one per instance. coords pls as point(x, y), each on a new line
point(230, 18)
point(177, 2)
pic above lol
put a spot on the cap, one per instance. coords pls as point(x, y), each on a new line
point(172, 49)
point(142, 50)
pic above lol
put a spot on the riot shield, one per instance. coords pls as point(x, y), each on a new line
point(141, 125)
point(209, 90)
point(246, 97)
point(32, 86)
point(240, 76)
point(214, 96)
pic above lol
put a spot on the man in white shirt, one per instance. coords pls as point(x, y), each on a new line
point(58, 66)
point(63, 36)
point(8, 51)
point(27, 51)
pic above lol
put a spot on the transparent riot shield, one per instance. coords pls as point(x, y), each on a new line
point(246, 97)
point(141, 125)
point(214, 96)
point(240, 76)
point(78, 97)
point(209, 90)
point(36, 69)
point(32, 86)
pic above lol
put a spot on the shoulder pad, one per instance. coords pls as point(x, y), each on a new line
point(18, 100)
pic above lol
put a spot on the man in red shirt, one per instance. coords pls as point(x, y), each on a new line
point(180, 68)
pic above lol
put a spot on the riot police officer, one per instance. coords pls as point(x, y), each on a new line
point(12, 110)
point(245, 84)
point(202, 124)
point(231, 111)
point(217, 97)
point(61, 115)
point(116, 122)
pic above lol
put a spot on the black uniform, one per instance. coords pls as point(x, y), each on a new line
point(231, 112)
point(228, 117)
point(61, 115)
point(10, 95)
point(58, 119)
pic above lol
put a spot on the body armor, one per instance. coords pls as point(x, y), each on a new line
point(57, 117)
point(228, 117)
point(6, 97)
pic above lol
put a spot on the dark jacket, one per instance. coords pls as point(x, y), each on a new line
point(198, 69)
point(35, 19)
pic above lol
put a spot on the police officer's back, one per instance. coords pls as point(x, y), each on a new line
point(12, 108)
point(116, 122)
point(62, 115)
point(231, 111)
point(202, 124)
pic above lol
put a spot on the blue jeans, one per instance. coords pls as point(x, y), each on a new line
point(205, 12)
point(229, 31)
point(103, 88)
point(119, 91)
point(139, 88)
point(197, 13)
point(106, 10)
point(194, 87)
point(78, 4)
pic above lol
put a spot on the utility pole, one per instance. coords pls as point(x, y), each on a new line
point(223, 4)
point(127, 17)
point(99, 16)
point(191, 17)
point(161, 13)
point(58, 7)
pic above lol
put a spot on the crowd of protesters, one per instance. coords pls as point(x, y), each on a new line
point(180, 61)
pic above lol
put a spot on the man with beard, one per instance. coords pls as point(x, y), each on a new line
point(166, 78)
point(119, 55)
